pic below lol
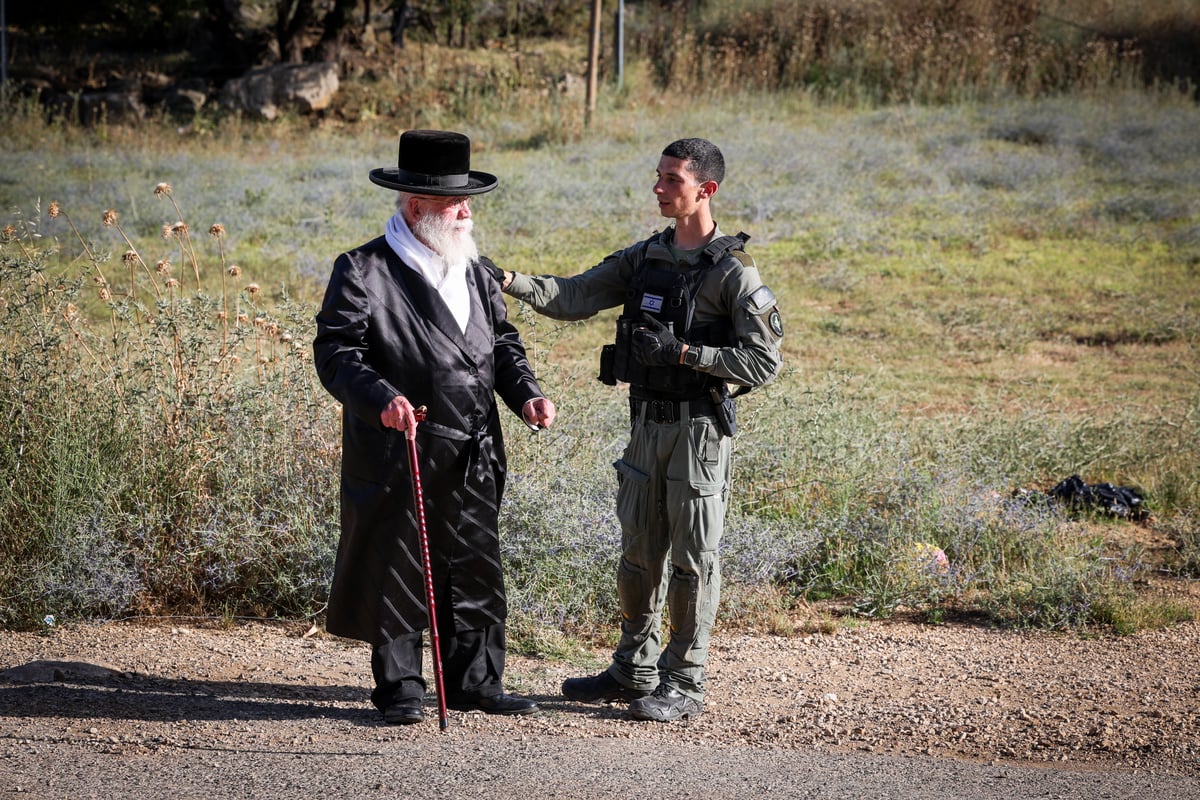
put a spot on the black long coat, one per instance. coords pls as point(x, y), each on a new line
point(382, 331)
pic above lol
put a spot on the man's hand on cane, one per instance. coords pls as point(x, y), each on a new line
point(400, 415)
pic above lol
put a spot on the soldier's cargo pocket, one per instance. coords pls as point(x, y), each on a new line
point(701, 505)
point(703, 488)
point(634, 504)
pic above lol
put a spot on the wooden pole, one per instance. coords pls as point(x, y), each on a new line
point(593, 63)
point(620, 42)
point(3, 54)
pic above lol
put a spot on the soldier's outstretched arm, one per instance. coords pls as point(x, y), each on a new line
point(577, 297)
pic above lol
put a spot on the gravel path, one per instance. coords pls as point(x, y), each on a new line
point(885, 709)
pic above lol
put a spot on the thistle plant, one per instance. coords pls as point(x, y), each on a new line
point(160, 465)
point(103, 288)
point(217, 231)
point(179, 230)
point(132, 258)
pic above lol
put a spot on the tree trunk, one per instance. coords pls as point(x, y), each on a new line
point(292, 20)
point(400, 20)
point(335, 24)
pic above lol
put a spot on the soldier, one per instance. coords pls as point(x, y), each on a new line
point(696, 317)
point(412, 318)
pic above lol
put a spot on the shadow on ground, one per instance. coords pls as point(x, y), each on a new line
point(79, 689)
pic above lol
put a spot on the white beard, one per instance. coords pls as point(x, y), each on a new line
point(450, 239)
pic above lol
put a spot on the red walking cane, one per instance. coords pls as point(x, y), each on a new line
point(419, 500)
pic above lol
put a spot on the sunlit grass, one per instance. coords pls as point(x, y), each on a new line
point(977, 298)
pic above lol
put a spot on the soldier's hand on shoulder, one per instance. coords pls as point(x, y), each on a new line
point(502, 277)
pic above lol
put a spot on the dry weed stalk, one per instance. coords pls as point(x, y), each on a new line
point(899, 52)
point(179, 230)
point(56, 210)
point(217, 231)
point(111, 219)
point(197, 375)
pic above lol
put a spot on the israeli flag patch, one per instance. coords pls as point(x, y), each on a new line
point(652, 302)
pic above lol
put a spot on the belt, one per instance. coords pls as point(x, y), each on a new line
point(666, 412)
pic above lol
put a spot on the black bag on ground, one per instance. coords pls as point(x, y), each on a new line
point(1118, 501)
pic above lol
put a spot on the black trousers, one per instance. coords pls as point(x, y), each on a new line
point(472, 665)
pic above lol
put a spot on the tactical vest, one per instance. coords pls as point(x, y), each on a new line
point(669, 295)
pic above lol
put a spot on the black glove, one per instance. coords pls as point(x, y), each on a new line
point(492, 269)
point(654, 345)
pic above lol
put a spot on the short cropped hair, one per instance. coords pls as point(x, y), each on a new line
point(703, 158)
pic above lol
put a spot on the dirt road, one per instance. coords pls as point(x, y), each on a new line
point(890, 709)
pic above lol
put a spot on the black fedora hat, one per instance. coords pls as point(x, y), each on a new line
point(434, 162)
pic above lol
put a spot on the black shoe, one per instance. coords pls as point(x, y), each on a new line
point(665, 705)
point(404, 712)
point(505, 704)
point(599, 688)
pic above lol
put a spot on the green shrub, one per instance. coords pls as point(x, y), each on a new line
point(168, 453)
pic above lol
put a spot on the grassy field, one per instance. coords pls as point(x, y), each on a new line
point(980, 299)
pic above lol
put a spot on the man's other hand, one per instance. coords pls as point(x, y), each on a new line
point(539, 413)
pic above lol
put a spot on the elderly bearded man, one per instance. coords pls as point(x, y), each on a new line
point(412, 319)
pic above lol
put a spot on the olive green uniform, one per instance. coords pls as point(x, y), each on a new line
point(675, 472)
